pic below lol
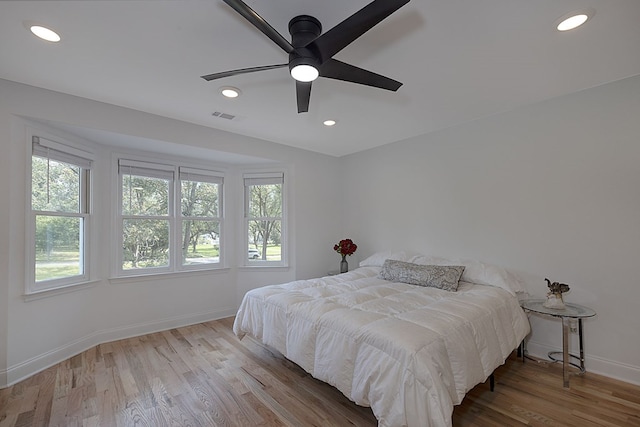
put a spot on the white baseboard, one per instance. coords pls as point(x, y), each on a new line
point(597, 365)
point(20, 371)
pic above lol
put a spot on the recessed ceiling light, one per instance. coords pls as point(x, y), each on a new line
point(230, 92)
point(329, 122)
point(45, 33)
point(573, 20)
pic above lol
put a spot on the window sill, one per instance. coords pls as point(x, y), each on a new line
point(47, 293)
point(166, 275)
point(264, 268)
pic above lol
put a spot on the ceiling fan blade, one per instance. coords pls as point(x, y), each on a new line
point(339, 70)
point(230, 73)
point(303, 95)
point(340, 36)
point(258, 22)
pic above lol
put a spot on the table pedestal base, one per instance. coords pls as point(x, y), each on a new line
point(552, 356)
point(566, 356)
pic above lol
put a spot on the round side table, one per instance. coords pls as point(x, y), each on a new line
point(571, 311)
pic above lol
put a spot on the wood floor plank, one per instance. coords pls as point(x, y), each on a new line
point(203, 375)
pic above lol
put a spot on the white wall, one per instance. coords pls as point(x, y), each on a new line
point(37, 333)
point(550, 190)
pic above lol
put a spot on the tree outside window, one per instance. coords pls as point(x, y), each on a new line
point(264, 217)
point(200, 214)
point(146, 192)
point(161, 232)
point(60, 211)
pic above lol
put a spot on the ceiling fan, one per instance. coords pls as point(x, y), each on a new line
point(311, 54)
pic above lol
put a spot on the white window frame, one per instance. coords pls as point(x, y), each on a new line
point(47, 147)
point(266, 178)
point(208, 176)
point(148, 170)
point(175, 174)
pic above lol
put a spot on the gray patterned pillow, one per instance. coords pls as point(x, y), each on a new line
point(444, 277)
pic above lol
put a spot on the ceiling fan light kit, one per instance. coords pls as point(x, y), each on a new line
point(304, 72)
point(311, 52)
point(303, 63)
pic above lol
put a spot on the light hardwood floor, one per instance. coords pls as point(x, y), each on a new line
point(202, 375)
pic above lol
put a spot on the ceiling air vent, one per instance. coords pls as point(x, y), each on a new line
point(223, 115)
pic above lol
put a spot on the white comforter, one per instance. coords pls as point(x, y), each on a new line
point(409, 352)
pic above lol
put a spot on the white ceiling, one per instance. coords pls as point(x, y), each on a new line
point(459, 60)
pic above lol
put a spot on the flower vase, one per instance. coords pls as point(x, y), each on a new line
point(344, 265)
point(554, 301)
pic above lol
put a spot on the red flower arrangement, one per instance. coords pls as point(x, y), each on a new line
point(345, 247)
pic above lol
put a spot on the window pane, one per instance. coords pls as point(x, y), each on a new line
point(200, 242)
point(146, 243)
point(58, 247)
point(199, 199)
point(265, 201)
point(265, 237)
point(55, 186)
point(144, 195)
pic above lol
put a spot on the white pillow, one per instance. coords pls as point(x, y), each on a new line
point(478, 272)
point(489, 274)
point(378, 258)
point(429, 260)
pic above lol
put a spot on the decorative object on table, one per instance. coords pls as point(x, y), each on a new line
point(554, 296)
point(345, 247)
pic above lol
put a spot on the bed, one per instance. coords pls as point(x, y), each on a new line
point(410, 352)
